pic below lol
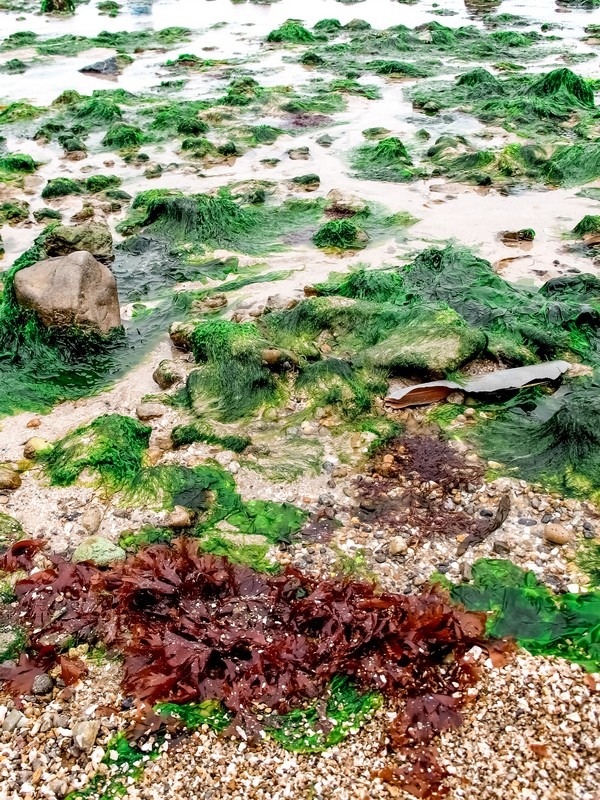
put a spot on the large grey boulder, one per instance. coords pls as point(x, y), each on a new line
point(74, 290)
point(93, 237)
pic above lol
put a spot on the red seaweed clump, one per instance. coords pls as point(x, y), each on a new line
point(193, 627)
point(411, 480)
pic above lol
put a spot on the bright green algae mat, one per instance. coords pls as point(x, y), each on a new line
point(521, 607)
point(110, 450)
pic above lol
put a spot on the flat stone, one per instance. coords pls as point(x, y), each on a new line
point(109, 66)
point(12, 720)
point(527, 522)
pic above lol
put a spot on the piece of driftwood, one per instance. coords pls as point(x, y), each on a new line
point(488, 383)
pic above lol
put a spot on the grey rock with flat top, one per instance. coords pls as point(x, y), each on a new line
point(70, 291)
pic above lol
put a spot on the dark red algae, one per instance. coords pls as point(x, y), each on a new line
point(193, 627)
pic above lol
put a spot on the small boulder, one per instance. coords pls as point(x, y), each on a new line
point(35, 447)
point(554, 533)
point(93, 237)
point(397, 546)
point(167, 374)
point(74, 290)
point(98, 550)
point(9, 477)
point(146, 411)
point(109, 66)
point(42, 684)
point(181, 334)
point(344, 202)
point(91, 519)
point(299, 153)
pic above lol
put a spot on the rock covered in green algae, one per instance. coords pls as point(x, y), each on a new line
point(99, 550)
point(437, 344)
point(167, 374)
point(93, 237)
point(11, 531)
point(74, 290)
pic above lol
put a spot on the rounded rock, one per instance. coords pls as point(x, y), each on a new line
point(557, 534)
point(9, 477)
point(35, 447)
point(42, 684)
point(146, 411)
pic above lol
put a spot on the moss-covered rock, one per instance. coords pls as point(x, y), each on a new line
point(98, 550)
point(433, 342)
point(94, 237)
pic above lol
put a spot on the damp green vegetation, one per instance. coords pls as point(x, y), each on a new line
point(532, 106)
point(291, 32)
point(522, 325)
point(111, 447)
point(14, 213)
point(120, 135)
point(182, 435)
point(19, 112)
point(110, 451)
point(588, 225)
point(424, 50)
point(119, 773)
point(556, 443)
point(123, 41)
point(388, 160)
point(200, 222)
point(57, 7)
point(588, 560)
point(14, 66)
point(520, 606)
point(63, 187)
point(40, 366)
point(340, 234)
point(312, 729)
point(109, 8)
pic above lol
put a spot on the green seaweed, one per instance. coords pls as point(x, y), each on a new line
point(556, 444)
point(565, 625)
point(388, 160)
point(120, 136)
point(182, 435)
point(590, 224)
point(291, 32)
point(61, 187)
point(340, 234)
point(111, 447)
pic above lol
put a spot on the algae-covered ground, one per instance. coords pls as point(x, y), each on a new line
point(230, 566)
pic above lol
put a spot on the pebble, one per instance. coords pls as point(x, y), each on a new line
point(42, 684)
point(85, 733)
point(557, 534)
point(397, 546)
point(527, 522)
point(91, 519)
